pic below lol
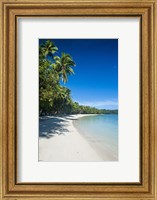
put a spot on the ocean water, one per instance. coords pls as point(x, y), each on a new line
point(101, 132)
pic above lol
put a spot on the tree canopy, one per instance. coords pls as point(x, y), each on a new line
point(55, 99)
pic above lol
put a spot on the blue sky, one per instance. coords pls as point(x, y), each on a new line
point(95, 82)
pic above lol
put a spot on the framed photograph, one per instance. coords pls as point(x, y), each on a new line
point(78, 99)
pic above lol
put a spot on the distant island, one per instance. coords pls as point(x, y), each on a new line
point(55, 99)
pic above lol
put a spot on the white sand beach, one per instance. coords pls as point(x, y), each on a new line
point(60, 141)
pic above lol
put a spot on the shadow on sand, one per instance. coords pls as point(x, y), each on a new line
point(51, 126)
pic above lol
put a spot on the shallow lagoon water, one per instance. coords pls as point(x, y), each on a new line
point(101, 131)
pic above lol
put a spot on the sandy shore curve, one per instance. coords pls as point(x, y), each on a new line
point(60, 141)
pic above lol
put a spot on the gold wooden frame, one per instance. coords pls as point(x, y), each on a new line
point(10, 11)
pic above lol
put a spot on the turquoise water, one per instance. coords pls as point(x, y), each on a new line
point(101, 132)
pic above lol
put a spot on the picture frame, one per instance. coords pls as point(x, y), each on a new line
point(10, 11)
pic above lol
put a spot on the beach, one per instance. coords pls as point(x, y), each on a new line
point(80, 137)
point(64, 133)
point(60, 141)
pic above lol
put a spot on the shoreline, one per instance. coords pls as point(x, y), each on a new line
point(105, 153)
point(61, 140)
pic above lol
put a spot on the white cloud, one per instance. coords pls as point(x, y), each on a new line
point(100, 103)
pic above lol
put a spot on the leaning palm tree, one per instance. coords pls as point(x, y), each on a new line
point(63, 66)
point(47, 48)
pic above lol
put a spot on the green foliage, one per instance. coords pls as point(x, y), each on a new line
point(63, 66)
point(54, 98)
point(48, 48)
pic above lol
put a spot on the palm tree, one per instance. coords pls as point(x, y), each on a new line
point(47, 48)
point(63, 66)
point(53, 97)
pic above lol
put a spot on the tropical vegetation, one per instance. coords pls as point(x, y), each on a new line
point(55, 99)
